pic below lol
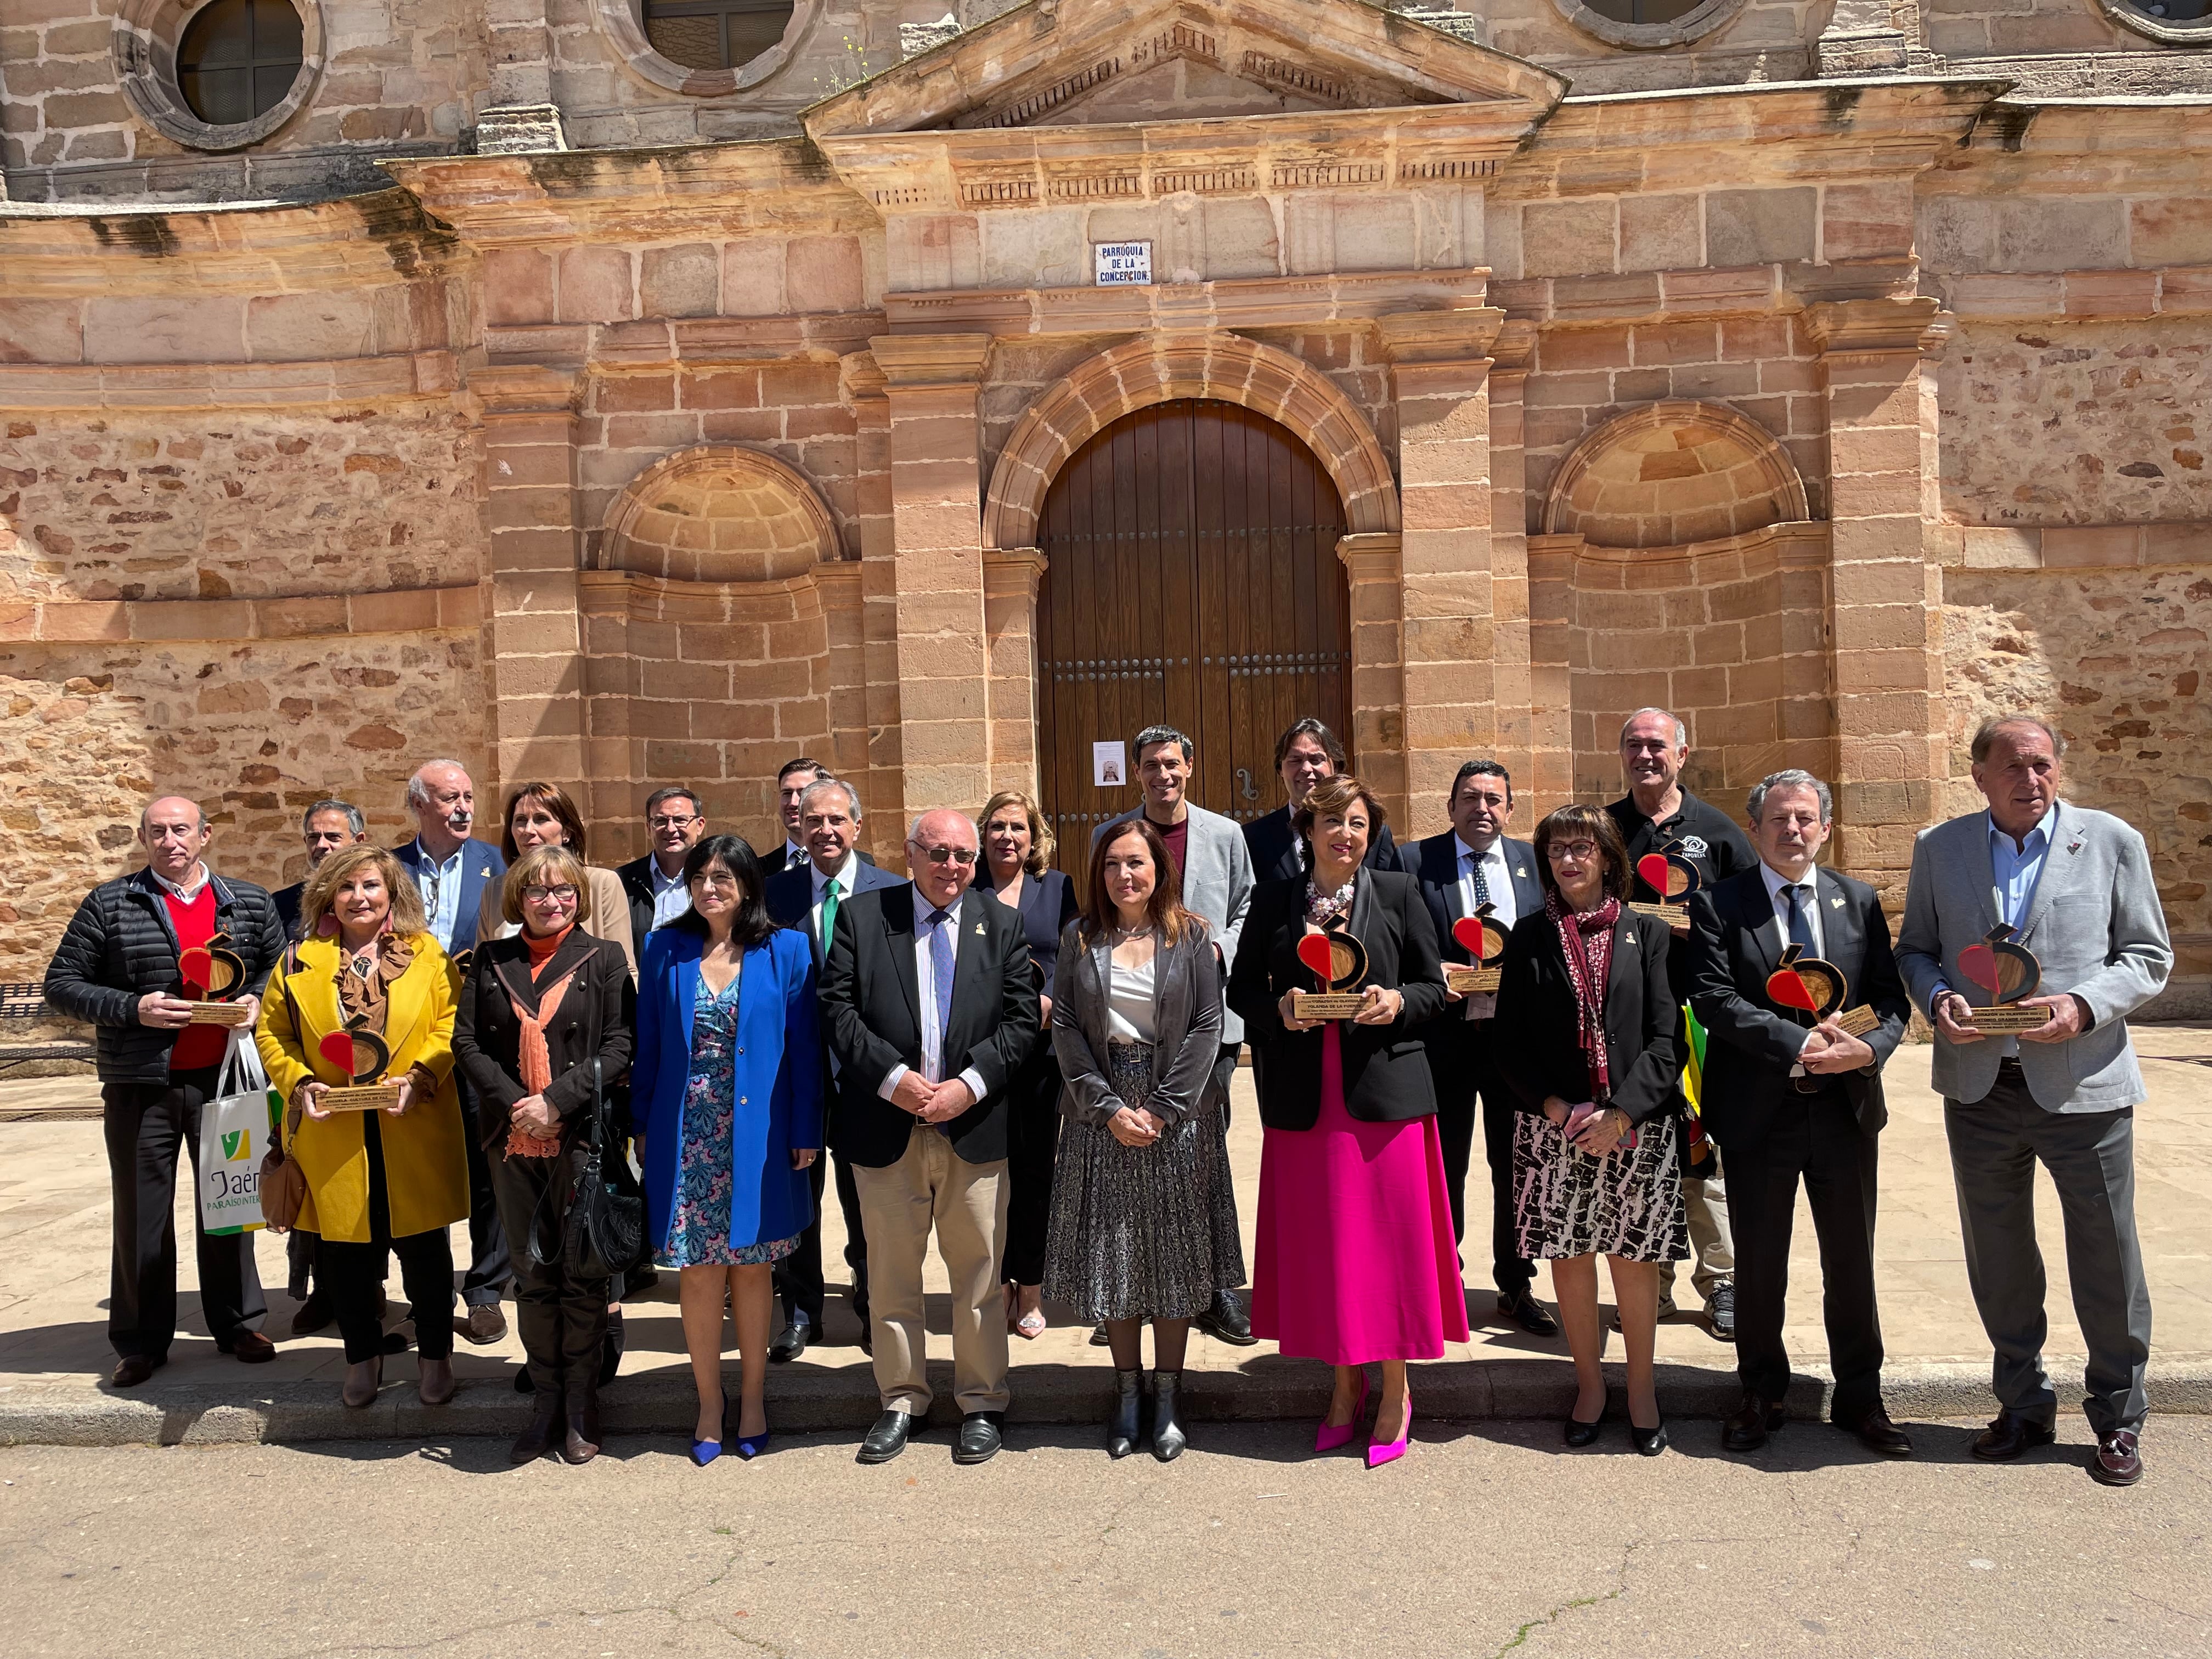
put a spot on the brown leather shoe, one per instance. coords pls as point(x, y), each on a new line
point(2010, 1434)
point(361, 1383)
point(581, 1442)
point(131, 1369)
point(2118, 1463)
point(1754, 1420)
point(437, 1386)
point(1878, 1434)
point(484, 1324)
point(534, 1442)
point(252, 1348)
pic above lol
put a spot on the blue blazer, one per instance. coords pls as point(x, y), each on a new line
point(480, 862)
point(778, 1108)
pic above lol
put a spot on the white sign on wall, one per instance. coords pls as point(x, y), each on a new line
point(1119, 264)
point(1109, 765)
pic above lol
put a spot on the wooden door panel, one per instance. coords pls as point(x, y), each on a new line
point(1191, 579)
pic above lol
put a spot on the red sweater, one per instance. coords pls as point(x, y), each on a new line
point(197, 1046)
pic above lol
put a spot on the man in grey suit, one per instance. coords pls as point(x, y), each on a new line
point(2075, 885)
point(1217, 884)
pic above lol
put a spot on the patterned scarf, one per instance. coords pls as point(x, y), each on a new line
point(1586, 942)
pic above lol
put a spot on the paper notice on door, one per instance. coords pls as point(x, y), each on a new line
point(1109, 765)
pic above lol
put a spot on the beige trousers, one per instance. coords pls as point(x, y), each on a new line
point(1712, 1242)
point(933, 1186)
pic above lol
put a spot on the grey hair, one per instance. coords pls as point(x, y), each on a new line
point(1790, 778)
point(852, 798)
point(1152, 734)
point(356, 826)
point(418, 792)
point(1985, 734)
point(1681, 732)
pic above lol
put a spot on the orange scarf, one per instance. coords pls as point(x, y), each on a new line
point(532, 1057)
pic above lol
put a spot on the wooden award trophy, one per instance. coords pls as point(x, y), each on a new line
point(1337, 959)
point(364, 1055)
point(2008, 972)
point(212, 974)
point(1484, 940)
point(1818, 988)
point(1674, 878)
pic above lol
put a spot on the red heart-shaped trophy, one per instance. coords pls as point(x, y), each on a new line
point(1653, 867)
point(196, 965)
point(1481, 937)
point(1787, 986)
point(1314, 951)
point(1978, 963)
point(337, 1049)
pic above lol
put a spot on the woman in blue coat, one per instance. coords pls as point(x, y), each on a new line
point(726, 1094)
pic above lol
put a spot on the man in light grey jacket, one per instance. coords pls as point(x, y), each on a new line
point(1217, 885)
point(2075, 886)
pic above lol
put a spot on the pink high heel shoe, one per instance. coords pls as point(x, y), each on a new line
point(1327, 1438)
point(1380, 1452)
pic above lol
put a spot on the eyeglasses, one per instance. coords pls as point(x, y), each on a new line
point(536, 895)
point(670, 821)
point(963, 856)
point(1580, 851)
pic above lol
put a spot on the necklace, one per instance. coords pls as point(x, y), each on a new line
point(1335, 904)
point(1123, 935)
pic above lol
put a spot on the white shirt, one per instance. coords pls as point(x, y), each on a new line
point(196, 878)
point(844, 879)
point(927, 992)
point(1498, 879)
point(1776, 881)
point(671, 898)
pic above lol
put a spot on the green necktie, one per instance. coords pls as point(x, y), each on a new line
point(829, 913)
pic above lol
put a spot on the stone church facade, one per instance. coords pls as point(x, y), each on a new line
point(519, 385)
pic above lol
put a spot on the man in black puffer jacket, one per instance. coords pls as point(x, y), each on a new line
point(117, 966)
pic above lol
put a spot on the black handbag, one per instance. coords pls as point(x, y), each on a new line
point(606, 1215)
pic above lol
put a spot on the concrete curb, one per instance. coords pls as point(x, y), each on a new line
point(807, 1400)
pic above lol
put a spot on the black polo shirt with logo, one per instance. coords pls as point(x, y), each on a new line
point(1701, 832)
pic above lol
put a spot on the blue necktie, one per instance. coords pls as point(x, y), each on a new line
point(1800, 925)
point(940, 969)
point(1482, 882)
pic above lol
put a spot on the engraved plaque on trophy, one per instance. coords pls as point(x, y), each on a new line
point(1481, 936)
point(364, 1055)
point(1674, 878)
point(2008, 971)
point(1337, 959)
point(212, 974)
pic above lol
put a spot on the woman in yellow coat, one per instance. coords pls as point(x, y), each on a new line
point(392, 1180)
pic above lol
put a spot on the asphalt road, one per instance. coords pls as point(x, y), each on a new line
point(1479, 1543)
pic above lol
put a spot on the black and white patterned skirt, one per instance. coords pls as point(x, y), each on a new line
point(1141, 1232)
point(1628, 1203)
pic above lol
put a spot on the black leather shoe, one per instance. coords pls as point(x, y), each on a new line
point(791, 1341)
point(1226, 1320)
point(888, 1438)
point(1578, 1433)
point(2118, 1463)
point(1125, 1425)
point(249, 1347)
point(131, 1369)
point(2010, 1434)
point(544, 1430)
point(1720, 1312)
point(979, 1438)
point(313, 1315)
point(1756, 1418)
point(1651, 1441)
point(1878, 1434)
point(1524, 1311)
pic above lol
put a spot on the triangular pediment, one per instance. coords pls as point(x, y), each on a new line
point(1089, 63)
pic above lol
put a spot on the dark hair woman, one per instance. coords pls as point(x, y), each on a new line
point(1356, 1261)
point(539, 1009)
point(726, 1089)
point(544, 815)
point(1593, 1063)
point(1144, 1222)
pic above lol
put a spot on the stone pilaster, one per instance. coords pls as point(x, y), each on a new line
point(518, 112)
point(1372, 572)
point(941, 655)
point(1010, 599)
point(883, 833)
point(1440, 372)
point(1887, 625)
point(1528, 730)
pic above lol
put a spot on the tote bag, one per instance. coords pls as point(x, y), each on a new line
point(235, 1125)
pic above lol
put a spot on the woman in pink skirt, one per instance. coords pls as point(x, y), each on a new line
point(1356, 1261)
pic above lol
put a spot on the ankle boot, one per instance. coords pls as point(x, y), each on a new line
point(362, 1379)
point(1168, 1437)
point(1124, 1426)
point(437, 1386)
point(544, 1429)
point(581, 1443)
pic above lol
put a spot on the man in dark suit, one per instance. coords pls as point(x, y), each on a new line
point(1791, 1100)
point(1307, 752)
point(452, 872)
point(808, 899)
point(1472, 864)
point(932, 1007)
point(799, 774)
point(654, 885)
point(324, 827)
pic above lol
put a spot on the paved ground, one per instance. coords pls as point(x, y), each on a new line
point(53, 1281)
point(1476, 1544)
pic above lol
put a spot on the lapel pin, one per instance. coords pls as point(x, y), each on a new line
point(979, 927)
point(1521, 871)
point(1835, 904)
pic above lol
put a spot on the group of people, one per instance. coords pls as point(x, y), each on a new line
point(1033, 1066)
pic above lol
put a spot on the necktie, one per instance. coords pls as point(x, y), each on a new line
point(1800, 925)
point(794, 859)
point(940, 972)
point(829, 912)
point(1481, 883)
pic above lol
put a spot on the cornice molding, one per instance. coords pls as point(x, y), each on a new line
point(911, 361)
point(1914, 323)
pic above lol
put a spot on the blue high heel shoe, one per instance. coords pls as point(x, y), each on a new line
point(750, 1446)
point(704, 1452)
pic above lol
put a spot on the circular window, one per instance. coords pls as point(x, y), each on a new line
point(2182, 22)
point(1647, 25)
point(238, 58)
point(215, 75)
point(707, 47)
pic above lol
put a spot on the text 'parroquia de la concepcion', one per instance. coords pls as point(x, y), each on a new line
point(623, 391)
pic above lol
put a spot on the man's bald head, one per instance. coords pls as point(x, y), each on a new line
point(174, 832)
point(942, 879)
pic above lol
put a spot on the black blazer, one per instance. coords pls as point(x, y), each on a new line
point(637, 887)
point(1536, 1006)
point(1751, 1041)
point(871, 1001)
point(1047, 906)
point(598, 1020)
point(1185, 1027)
point(1434, 862)
point(1386, 1067)
point(1274, 845)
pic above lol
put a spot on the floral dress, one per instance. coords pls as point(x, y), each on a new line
point(699, 1230)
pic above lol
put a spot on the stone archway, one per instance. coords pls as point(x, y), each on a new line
point(1157, 369)
point(1672, 473)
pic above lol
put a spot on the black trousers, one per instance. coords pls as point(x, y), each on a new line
point(799, 1277)
point(1459, 1063)
point(562, 1319)
point(1032, 1151)
point(490, 1266)
point(352, 1274)
point(145, 1124)
point(1822, 1147)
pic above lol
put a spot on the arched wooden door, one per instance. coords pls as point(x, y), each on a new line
point(1191, 578)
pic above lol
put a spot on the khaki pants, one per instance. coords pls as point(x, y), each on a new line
point(933, 1186)
point(1712, 1246)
